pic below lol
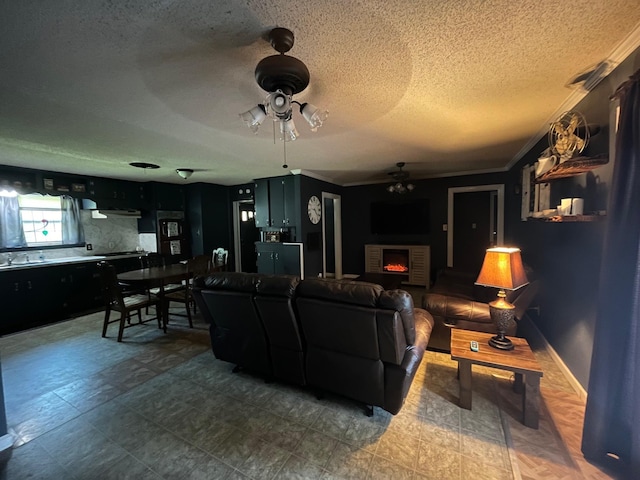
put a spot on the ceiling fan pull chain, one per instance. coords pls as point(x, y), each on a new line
point(284, 149)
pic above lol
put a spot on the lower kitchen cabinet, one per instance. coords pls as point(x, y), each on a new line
point(278, 258)
point(41, 295)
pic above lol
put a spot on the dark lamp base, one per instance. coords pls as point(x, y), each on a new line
point(501, 343)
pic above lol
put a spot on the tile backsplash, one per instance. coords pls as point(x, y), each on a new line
point(106, 235)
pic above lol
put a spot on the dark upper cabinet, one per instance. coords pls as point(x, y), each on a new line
point(275, 202)
point(112, 193)
point(261, 199)
point(168, 196)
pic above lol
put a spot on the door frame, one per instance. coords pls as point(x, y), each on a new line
point(236, 234)
point(499, 189)
point(337, 234)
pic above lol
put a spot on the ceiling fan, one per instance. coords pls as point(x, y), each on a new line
point(400, 177)
point(282, 76)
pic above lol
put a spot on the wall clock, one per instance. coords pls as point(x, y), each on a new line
point(314, 209)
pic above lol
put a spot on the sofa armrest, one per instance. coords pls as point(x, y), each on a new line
point(398, 378)
point(452, 310)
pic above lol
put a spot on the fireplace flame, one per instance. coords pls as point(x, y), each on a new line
point(396, 267)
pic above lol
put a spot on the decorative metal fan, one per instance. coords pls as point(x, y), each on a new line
point(568, 135)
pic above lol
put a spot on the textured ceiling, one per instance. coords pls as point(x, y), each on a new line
point(87, 86)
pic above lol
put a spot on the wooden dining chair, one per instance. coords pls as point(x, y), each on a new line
point(126, 305)
point(197, 266)
point(220, 259)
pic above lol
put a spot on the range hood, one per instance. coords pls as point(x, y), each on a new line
point(103, 213)
point(109, 212)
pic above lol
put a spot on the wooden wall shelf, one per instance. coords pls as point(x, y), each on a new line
point(570, 218)
point(572, 167)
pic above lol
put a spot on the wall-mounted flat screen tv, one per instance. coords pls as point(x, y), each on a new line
point(400, 217)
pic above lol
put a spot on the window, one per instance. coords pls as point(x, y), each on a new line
point(41, 219)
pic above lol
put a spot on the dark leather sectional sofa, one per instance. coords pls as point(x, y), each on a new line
point(350, 338)
point(456, 302)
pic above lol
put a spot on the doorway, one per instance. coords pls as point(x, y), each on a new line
point(331, 235)
point(245, 234)
point(475, 223)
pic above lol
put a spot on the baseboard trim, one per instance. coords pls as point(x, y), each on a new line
point(582, 393)
point(6, 447)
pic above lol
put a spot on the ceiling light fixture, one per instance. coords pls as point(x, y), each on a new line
point(400, 177)
point(184, 172)
point(145, 165)
point(282, 77)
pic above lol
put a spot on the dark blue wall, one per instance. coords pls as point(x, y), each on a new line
point(567, 256)
point(356, 217)
point(312, 234)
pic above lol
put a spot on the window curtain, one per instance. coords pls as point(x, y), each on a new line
point(72, 231)
point(611, 434)
point(11, 233)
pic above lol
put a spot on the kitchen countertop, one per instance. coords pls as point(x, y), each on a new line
point(49, 262)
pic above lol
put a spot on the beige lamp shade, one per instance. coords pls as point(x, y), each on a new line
point(502, 268)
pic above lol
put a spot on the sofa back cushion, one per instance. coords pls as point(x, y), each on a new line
point(356, 318)
point(274, 301)
point(402, 302)
point(237, 333)
point(347, 292)
point(231, 281)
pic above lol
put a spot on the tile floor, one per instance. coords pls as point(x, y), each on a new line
point(161, 406)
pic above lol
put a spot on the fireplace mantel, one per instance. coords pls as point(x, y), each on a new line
point(419, 261)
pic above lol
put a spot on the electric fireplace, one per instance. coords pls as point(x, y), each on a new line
point(395, 261)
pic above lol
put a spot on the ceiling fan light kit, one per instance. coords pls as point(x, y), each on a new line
point(282, 76)
point(400, 177)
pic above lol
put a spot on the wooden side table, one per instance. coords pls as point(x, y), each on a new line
point(520, 360)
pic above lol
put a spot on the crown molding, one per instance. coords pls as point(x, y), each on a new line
point(620, 53)
point(308, 173)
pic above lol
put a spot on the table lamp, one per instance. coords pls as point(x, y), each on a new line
point(502, 268)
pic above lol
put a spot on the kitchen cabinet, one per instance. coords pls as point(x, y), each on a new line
point(31, 297)
point(275, 201)
point(49, 293)
point(111, 193)
point(168, 196)
point(278, 258)
point(79, 288)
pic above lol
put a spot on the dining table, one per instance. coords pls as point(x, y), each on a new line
point(157, 277)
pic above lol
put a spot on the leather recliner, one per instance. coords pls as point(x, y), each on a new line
point(456, 302)
point(350, 338)
point(236, 330)
point(274, 300)
point(362, 342)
